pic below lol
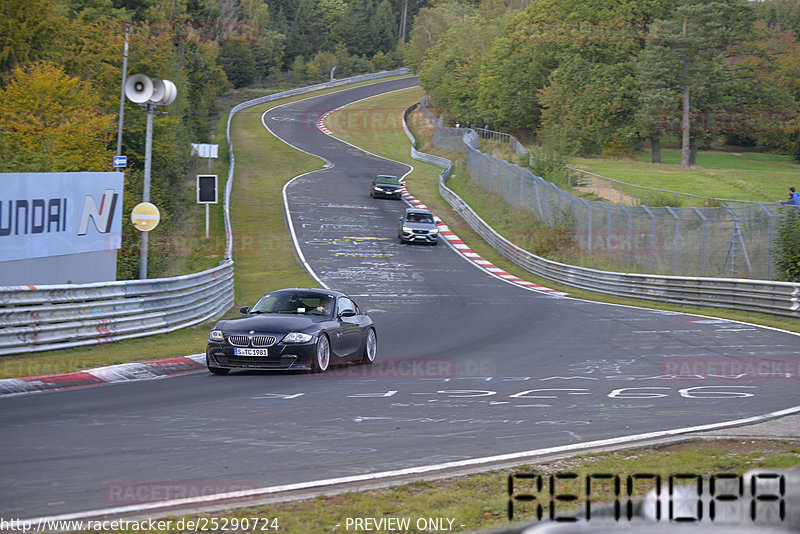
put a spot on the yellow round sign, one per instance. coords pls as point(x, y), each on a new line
point(145, 216)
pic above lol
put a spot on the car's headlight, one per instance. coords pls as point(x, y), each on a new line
point(297, 337)
point(376, 188)
point(407, 229)
point(434, 231)
point(216, 335)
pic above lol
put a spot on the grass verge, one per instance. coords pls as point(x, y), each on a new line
point(751, 176)
point(480, 501)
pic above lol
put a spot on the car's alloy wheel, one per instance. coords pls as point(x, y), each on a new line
point(370, 347)
point(322, 357)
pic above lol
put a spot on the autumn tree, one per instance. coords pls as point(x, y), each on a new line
point(52, 122)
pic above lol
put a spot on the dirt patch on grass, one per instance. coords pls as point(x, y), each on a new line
point(738, 446)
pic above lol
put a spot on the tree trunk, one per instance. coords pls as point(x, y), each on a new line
point(655, 149)
point(685, 127)
point(403, 17)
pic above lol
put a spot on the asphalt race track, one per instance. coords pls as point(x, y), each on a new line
point(468, 366)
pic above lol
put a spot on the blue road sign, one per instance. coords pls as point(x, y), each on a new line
point(120, 161)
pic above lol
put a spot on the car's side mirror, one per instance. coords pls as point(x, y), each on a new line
point(347, 313)
point(245, 310)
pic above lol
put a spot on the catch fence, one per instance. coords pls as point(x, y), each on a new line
point(732, 239)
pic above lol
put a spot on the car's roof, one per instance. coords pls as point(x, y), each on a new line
point(313, 290)
point(418, 210)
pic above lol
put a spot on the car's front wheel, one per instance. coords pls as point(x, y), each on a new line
point(370, 347)
point(322, 356)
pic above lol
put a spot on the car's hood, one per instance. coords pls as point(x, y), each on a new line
point(269, 323)
point(393, 187)
point(419, 226)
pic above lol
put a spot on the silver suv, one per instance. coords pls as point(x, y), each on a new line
point(417, 226)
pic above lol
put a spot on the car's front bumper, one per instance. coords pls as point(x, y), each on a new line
point(419, 236)
point(383, 193)
point(281, 356)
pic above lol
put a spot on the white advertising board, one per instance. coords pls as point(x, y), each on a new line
point(54, 214)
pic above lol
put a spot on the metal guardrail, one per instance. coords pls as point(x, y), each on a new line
point(48, 317)
point(64, 316)
point(763, 296)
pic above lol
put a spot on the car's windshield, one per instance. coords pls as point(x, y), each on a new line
point(388, 180)
point(295, 302)
point(426, 218)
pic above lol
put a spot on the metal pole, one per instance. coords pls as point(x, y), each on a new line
point(122, 91)
point(148, 154)
point(206, 220)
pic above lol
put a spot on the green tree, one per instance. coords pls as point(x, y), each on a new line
point(429, 25)
point(700, 33)
point(511, 75)
point(656, 76)
point(238, 62)
point(787, 245)
point(385, 28)
point(450, 73)
point(592, 103)
point(357, 29)
point(28, 29)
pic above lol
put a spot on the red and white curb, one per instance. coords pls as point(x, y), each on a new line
point(125, 372)
point(321, 124)
point(476, 258)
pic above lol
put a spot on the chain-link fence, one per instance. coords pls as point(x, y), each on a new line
point(731, 240)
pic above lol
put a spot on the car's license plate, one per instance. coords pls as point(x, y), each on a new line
point(250, 352)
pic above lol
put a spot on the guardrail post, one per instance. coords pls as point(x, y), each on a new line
point(677, 239)
point(652, 234)
point(629, 234)
point(736, 239)
point(703, 243)
point(771, 238)
point(589, 223)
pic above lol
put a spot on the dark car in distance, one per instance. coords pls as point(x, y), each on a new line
point(385, 186)
point(293, 329)
point(418, 226)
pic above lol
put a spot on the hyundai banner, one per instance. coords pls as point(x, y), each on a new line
point(53, 214)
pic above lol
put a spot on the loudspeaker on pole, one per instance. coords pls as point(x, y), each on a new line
point(139, 88)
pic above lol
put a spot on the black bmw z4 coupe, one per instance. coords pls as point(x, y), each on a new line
point(293, 329)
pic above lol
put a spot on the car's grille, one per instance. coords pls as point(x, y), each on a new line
point(239, 341)
point(263, 341)
point(257, 341)
point(420, 231)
